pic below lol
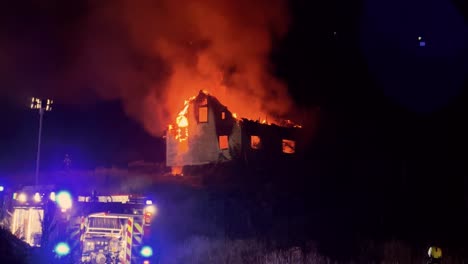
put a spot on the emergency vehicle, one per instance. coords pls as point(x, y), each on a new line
point(99, 229)
point(28, 207)
point(118, 231)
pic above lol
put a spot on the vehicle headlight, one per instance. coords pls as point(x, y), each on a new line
point(37, 197)
point(22, 197)
point(151, 209)
point(52, 196)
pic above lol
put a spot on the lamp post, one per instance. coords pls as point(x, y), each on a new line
point(36, 103)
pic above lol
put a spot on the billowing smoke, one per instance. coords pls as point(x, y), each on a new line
point(152, 55)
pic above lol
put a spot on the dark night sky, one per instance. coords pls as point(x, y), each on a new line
point(392, 113)
point(393, 138)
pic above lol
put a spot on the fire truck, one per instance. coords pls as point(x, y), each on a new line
point(30, 213)
point(118, 229)
point(99, 229)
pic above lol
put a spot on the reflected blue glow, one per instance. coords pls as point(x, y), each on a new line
point(62, 249)
point(64, 200)
point(146, 251)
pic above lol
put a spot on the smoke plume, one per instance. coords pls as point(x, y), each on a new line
point(152, 55)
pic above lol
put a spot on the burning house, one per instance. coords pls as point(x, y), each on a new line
point(206, 132)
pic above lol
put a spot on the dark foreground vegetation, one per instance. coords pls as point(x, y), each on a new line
point(281, 216)
point(13, 250)
point(286, 213)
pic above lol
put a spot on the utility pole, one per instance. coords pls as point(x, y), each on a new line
point(36, 103)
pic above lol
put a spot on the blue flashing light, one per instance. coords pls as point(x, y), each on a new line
point(62, 249)
point(146, 251)
point(64, 200)
point(148, 202)
point(2, 188)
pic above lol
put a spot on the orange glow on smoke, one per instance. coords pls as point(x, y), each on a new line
point(210, 48)
point(173, 49)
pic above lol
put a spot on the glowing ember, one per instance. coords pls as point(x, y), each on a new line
point(182, 121)
point(176, 170)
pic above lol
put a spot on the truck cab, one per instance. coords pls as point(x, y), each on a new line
point(104, 238)
point(118, 233)
point(30, 206)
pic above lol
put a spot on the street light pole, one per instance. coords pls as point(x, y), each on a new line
point(38, 156)
point(36, 103)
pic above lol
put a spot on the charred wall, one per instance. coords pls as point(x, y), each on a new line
point(264, 144)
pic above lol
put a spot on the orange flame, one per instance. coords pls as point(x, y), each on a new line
point(182, 132)
point(210, 45)
point(176, 170)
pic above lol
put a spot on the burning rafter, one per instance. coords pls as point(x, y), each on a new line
point(182, 120)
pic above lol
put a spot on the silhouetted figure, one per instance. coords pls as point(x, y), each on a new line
point(67, 162)
point(94, 196)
